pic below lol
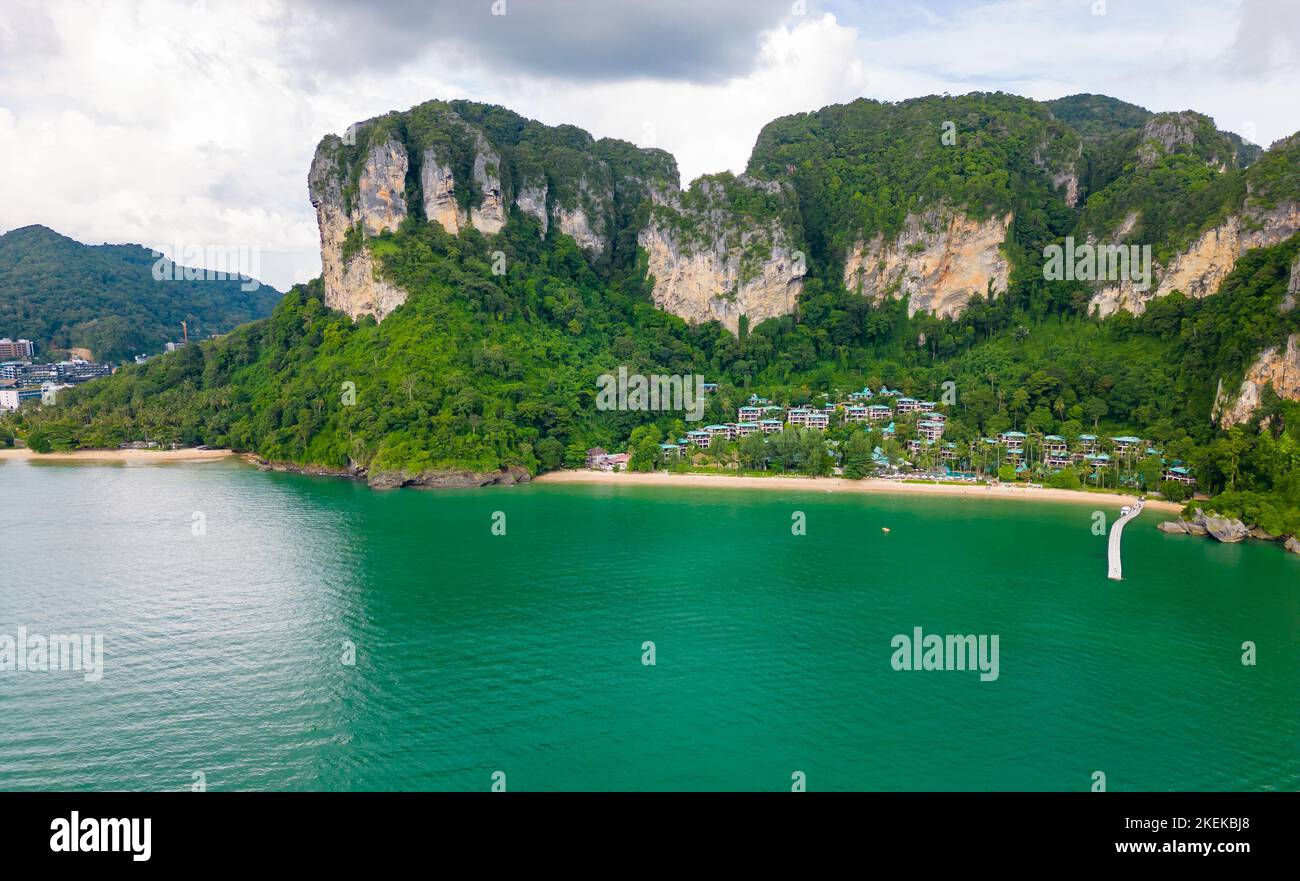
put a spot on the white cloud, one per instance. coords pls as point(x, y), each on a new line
point(194, 122)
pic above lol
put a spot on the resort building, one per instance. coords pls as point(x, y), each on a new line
point(1014, 441)
point(929, 429)
point(771, 426)
point(798, 415)
point(886, 392)
point(908, 405)
point(1056, 452)
point(756, 401)
point(670, 451)
point(700, 439)
point(1127, 445)
point(744, 429)
point(709, 386)
point(927, 405)
point(857, 413)
point(878, 413)
point(1088, 444)
point(603, 461)
point(863, 394)
point(726, 431)
point(933, 416)
point(749, 414)
point(819, 421)
point(1179, 474)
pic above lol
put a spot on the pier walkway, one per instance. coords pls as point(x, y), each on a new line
point(1116, 533)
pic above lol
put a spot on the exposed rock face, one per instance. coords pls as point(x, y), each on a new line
point(1293, 287)
point(588, 220)
point(725, 266)
point(439, 186)
point(352, 286)
point(489, 216)
point(381, 192)
point(1165, 133)
point(531, 200)
point(1199, 270)
point(940, 260)
point(1293, 545)
point(1070, 180)
point(1281, 369)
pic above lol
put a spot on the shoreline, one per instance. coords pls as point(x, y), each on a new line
point(840, 484)
point(124, 456)
point(631, 478)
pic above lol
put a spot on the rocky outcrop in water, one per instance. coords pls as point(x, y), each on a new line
point(1227, 529)
point(939, 261)
point(448, 478)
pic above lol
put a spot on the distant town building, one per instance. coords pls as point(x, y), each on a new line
point(22, 350)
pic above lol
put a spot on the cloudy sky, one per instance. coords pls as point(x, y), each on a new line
point(175, 124)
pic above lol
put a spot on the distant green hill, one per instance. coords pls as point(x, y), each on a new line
point(62, 294)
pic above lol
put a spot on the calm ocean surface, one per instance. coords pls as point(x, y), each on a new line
point(478, 653)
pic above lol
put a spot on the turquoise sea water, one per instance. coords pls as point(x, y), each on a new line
point(522, 653)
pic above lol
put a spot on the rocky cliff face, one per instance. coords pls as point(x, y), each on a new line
point(940, 260)
point(473, 171)
point(709, 262)
point(1276, 366)
point(1199, 270)
point(351, 283)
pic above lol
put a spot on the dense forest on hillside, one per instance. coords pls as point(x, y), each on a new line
point(481, 370)
point(62, 294)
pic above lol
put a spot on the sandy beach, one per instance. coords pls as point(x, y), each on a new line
point(839, 484)
point(128, 456)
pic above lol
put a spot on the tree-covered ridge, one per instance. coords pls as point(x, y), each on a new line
point(861, 168)
point(1166, 193)
point(62, 294)
point(1098, 117)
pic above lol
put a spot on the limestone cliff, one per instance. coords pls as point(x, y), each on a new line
point(1199, 270)
point(476, 166)
point(348, 273)
point(939, 261)
point(710, 259)
point(1275, 366)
